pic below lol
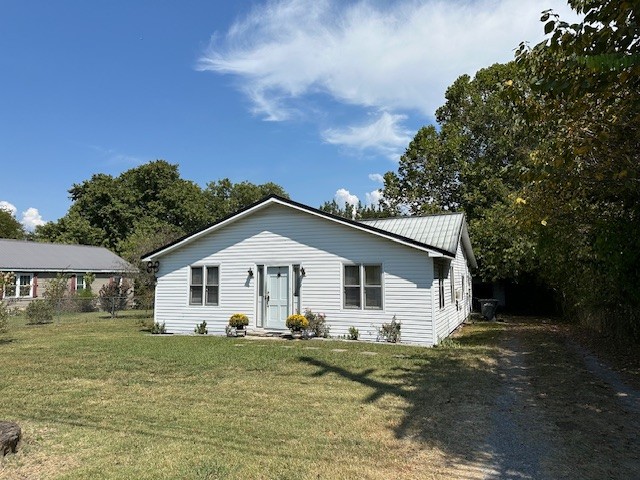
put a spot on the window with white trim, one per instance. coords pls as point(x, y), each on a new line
point(362, 286)
point(80, 284)
point(204, 285)
point(452, 284)
point(20, 286)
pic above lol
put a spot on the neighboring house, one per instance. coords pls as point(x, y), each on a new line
point(277, 257)
point(33, 264)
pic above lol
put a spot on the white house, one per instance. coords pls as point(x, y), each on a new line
point(278, 257)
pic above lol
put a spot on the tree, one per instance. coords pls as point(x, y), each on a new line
point(224, 197)
point(9, 226)
point(473, 163)
point(357, 212)
point(582, 190)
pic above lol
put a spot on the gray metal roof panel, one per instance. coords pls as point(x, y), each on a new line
point(440, 231)
point(18, 255)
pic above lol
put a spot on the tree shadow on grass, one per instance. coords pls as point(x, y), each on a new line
point(449, 394)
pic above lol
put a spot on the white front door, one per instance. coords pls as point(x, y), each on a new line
point(277, 297)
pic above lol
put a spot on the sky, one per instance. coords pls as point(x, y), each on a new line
point(319, 96)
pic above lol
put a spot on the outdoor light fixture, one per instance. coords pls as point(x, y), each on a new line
point(250, 272)
point(302, 272)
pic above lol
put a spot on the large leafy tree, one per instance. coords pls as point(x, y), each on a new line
point(473, 163)
point(582, 195)
point(9, 226)
point(224, 197)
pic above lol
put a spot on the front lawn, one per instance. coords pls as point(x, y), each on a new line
point(101, 398)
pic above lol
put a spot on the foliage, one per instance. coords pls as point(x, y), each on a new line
point(472, 163)
point(9, 226)
point(85, 300)
point(39, 312)
point(7, 279)
point(89, 278)
point(353, 333)
point(114, 296)
point(317, 323)
point(582, 197)
point(297, 322)
point(224, 197)
point(56, 291)
point(158, 328)
point(358, 212)
point(5, 312)
point(448, 343)
point(238, 320)
point(201, 329)
point(390, 332)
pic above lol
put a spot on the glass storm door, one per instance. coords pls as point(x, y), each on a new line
point(277, 297)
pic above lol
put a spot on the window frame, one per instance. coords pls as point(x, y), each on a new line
point(362, 286)
point(17, 286)
point(438, 273)
point(204, 286)
point(80, 285)
point(452, 283)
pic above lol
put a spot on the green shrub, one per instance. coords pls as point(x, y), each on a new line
point(201, 329)
point(448, 343)
point(317, 323)
point(238, 320)
point(353, 333)
point(158, 328)
point(85, 301)
point(390, 332)
point(39, 312)
point(297, 322)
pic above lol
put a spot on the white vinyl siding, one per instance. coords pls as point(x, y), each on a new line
point(280, 236)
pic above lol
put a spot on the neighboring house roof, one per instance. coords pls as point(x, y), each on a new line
point(447, 245)
point(23, 256)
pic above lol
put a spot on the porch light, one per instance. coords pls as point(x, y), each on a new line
point(250, 272)
point(302, 272)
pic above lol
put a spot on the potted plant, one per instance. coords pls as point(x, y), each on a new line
point(296, 323)
point(237, 322)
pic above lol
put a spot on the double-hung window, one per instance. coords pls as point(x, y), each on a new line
point(452, 284)
point(80, 285)
point(204, 286)
point(362, 285)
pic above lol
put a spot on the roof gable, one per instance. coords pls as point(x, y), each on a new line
point(19, 255)
point(399, 236)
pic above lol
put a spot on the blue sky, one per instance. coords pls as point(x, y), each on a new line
point(319, 96)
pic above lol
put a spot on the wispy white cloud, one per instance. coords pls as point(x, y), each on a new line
point(385, 135)
point(376, 177)
point(31, 219)
point(113, 156)
point(387, 56)
point(343, 196)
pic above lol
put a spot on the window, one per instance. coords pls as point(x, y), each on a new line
point(363, 286)
point(438, 266)
point(452, 284)
point(80, 285)
point(204, 286)
point(20, 286)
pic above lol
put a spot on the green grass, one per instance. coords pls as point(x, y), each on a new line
point(101, 398)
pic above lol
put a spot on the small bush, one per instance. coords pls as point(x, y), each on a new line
point(201, 329)
point(114, 296)
point(5, 312)
point(390, 332)
point(158, 328)
point(448, 343)
point(238, 320)
point(317, 323)
point(353, 333)
point(85, 301)
point(297, 322)
point(39, 312)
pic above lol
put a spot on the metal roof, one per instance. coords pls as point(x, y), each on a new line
point(19, 255)
point(440, 231)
